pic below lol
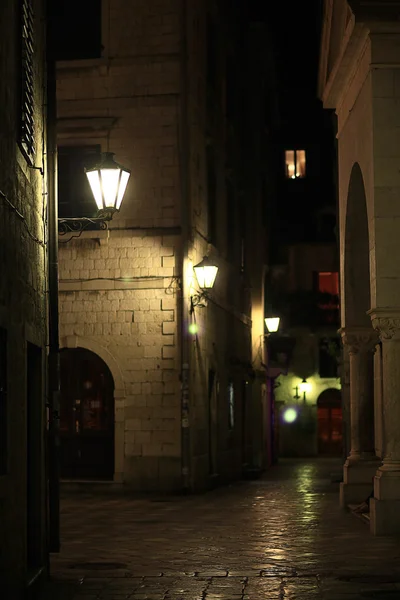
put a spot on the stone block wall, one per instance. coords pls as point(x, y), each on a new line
point(23, 285)
point(118, 292)
point(130, 320)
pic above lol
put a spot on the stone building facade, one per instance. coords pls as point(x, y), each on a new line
point(310, 420)
point(187, 391)
point(359, 78)
point(23, 299)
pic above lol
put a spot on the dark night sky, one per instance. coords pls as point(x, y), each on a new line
point(297, 39)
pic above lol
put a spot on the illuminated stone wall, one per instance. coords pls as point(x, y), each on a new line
point(23, 287)
point(120, 291)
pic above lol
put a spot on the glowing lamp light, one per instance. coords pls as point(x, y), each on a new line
point(108, 182)
point(272, 324)
point(193, 328)
point(289, 415)
point(305, 387)
point(206, 272)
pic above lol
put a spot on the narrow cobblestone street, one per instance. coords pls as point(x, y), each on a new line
point(280, 537)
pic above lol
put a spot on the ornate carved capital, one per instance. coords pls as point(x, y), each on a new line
point(387, 328)
point(359, 339)
point(386, 323)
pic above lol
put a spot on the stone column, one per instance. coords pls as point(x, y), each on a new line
point(360, 466)
point(385, 506)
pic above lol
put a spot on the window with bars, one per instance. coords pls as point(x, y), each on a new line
point(26, 134)
point(3, 402)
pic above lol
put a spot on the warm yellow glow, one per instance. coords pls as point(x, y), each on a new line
point(272, 324)
point(300, 163)
point(289, 415)
point(193, 328)
point(206, 272)
point(94, 182)
point(108, 183)
point(305, 387)
point(290, 164)
point(295, 161)
point(122, 187)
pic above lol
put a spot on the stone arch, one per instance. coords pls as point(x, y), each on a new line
point(356, 286)
point(330, 396)
point(75, 341)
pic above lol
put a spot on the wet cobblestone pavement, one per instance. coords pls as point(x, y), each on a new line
point(280, 537)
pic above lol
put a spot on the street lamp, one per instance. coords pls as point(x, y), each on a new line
point(206, 273)
point(108, 181)
point(272, 324)
point(304, 387)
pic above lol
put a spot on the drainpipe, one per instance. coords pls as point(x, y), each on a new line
point(185, 223)
point(53, 333)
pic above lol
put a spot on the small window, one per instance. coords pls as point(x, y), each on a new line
point(3, 403)
point(75, 198)
point(231, 405)
point(329, 354)
point(295, 164)
point(27, 124)
point(328, 283)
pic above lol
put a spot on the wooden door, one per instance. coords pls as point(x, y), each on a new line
point(86, 416)
point(330, 427)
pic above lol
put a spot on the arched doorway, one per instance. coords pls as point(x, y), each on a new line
point(356, 297)
point(330, 429)
point(86, 416)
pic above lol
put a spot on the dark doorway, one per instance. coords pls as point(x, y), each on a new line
point(212, 421)
point(245, 458)
point(34, 457)
point(86, 416)
point(330, 430)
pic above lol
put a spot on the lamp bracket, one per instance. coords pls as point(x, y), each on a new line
point(79, 224)
point(200, 300)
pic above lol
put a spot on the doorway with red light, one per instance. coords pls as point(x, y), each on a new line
point(330, 423)
point(86, 416)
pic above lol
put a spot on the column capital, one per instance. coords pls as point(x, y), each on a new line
point(386, 322)
point(359, 339)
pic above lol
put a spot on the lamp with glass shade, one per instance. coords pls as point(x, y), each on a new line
point(206, 272)
point(107, 181)
point(272, 324)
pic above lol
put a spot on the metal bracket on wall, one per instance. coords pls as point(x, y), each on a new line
point(200, 300)
point(79, 224)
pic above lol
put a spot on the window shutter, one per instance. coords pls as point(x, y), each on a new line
point(27, 139)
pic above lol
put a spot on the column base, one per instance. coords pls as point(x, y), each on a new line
point(385, 506)
point(358, 477)
point(384, 517)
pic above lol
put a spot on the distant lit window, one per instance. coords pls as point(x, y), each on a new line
point(329, 354)
point(295, 164)
point(231, 405)
point(328, 288)
point(328, 283)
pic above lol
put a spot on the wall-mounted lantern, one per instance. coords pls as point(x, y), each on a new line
point(206, 272)
point(108, 181)
point(272, 324)
point(305, 388)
